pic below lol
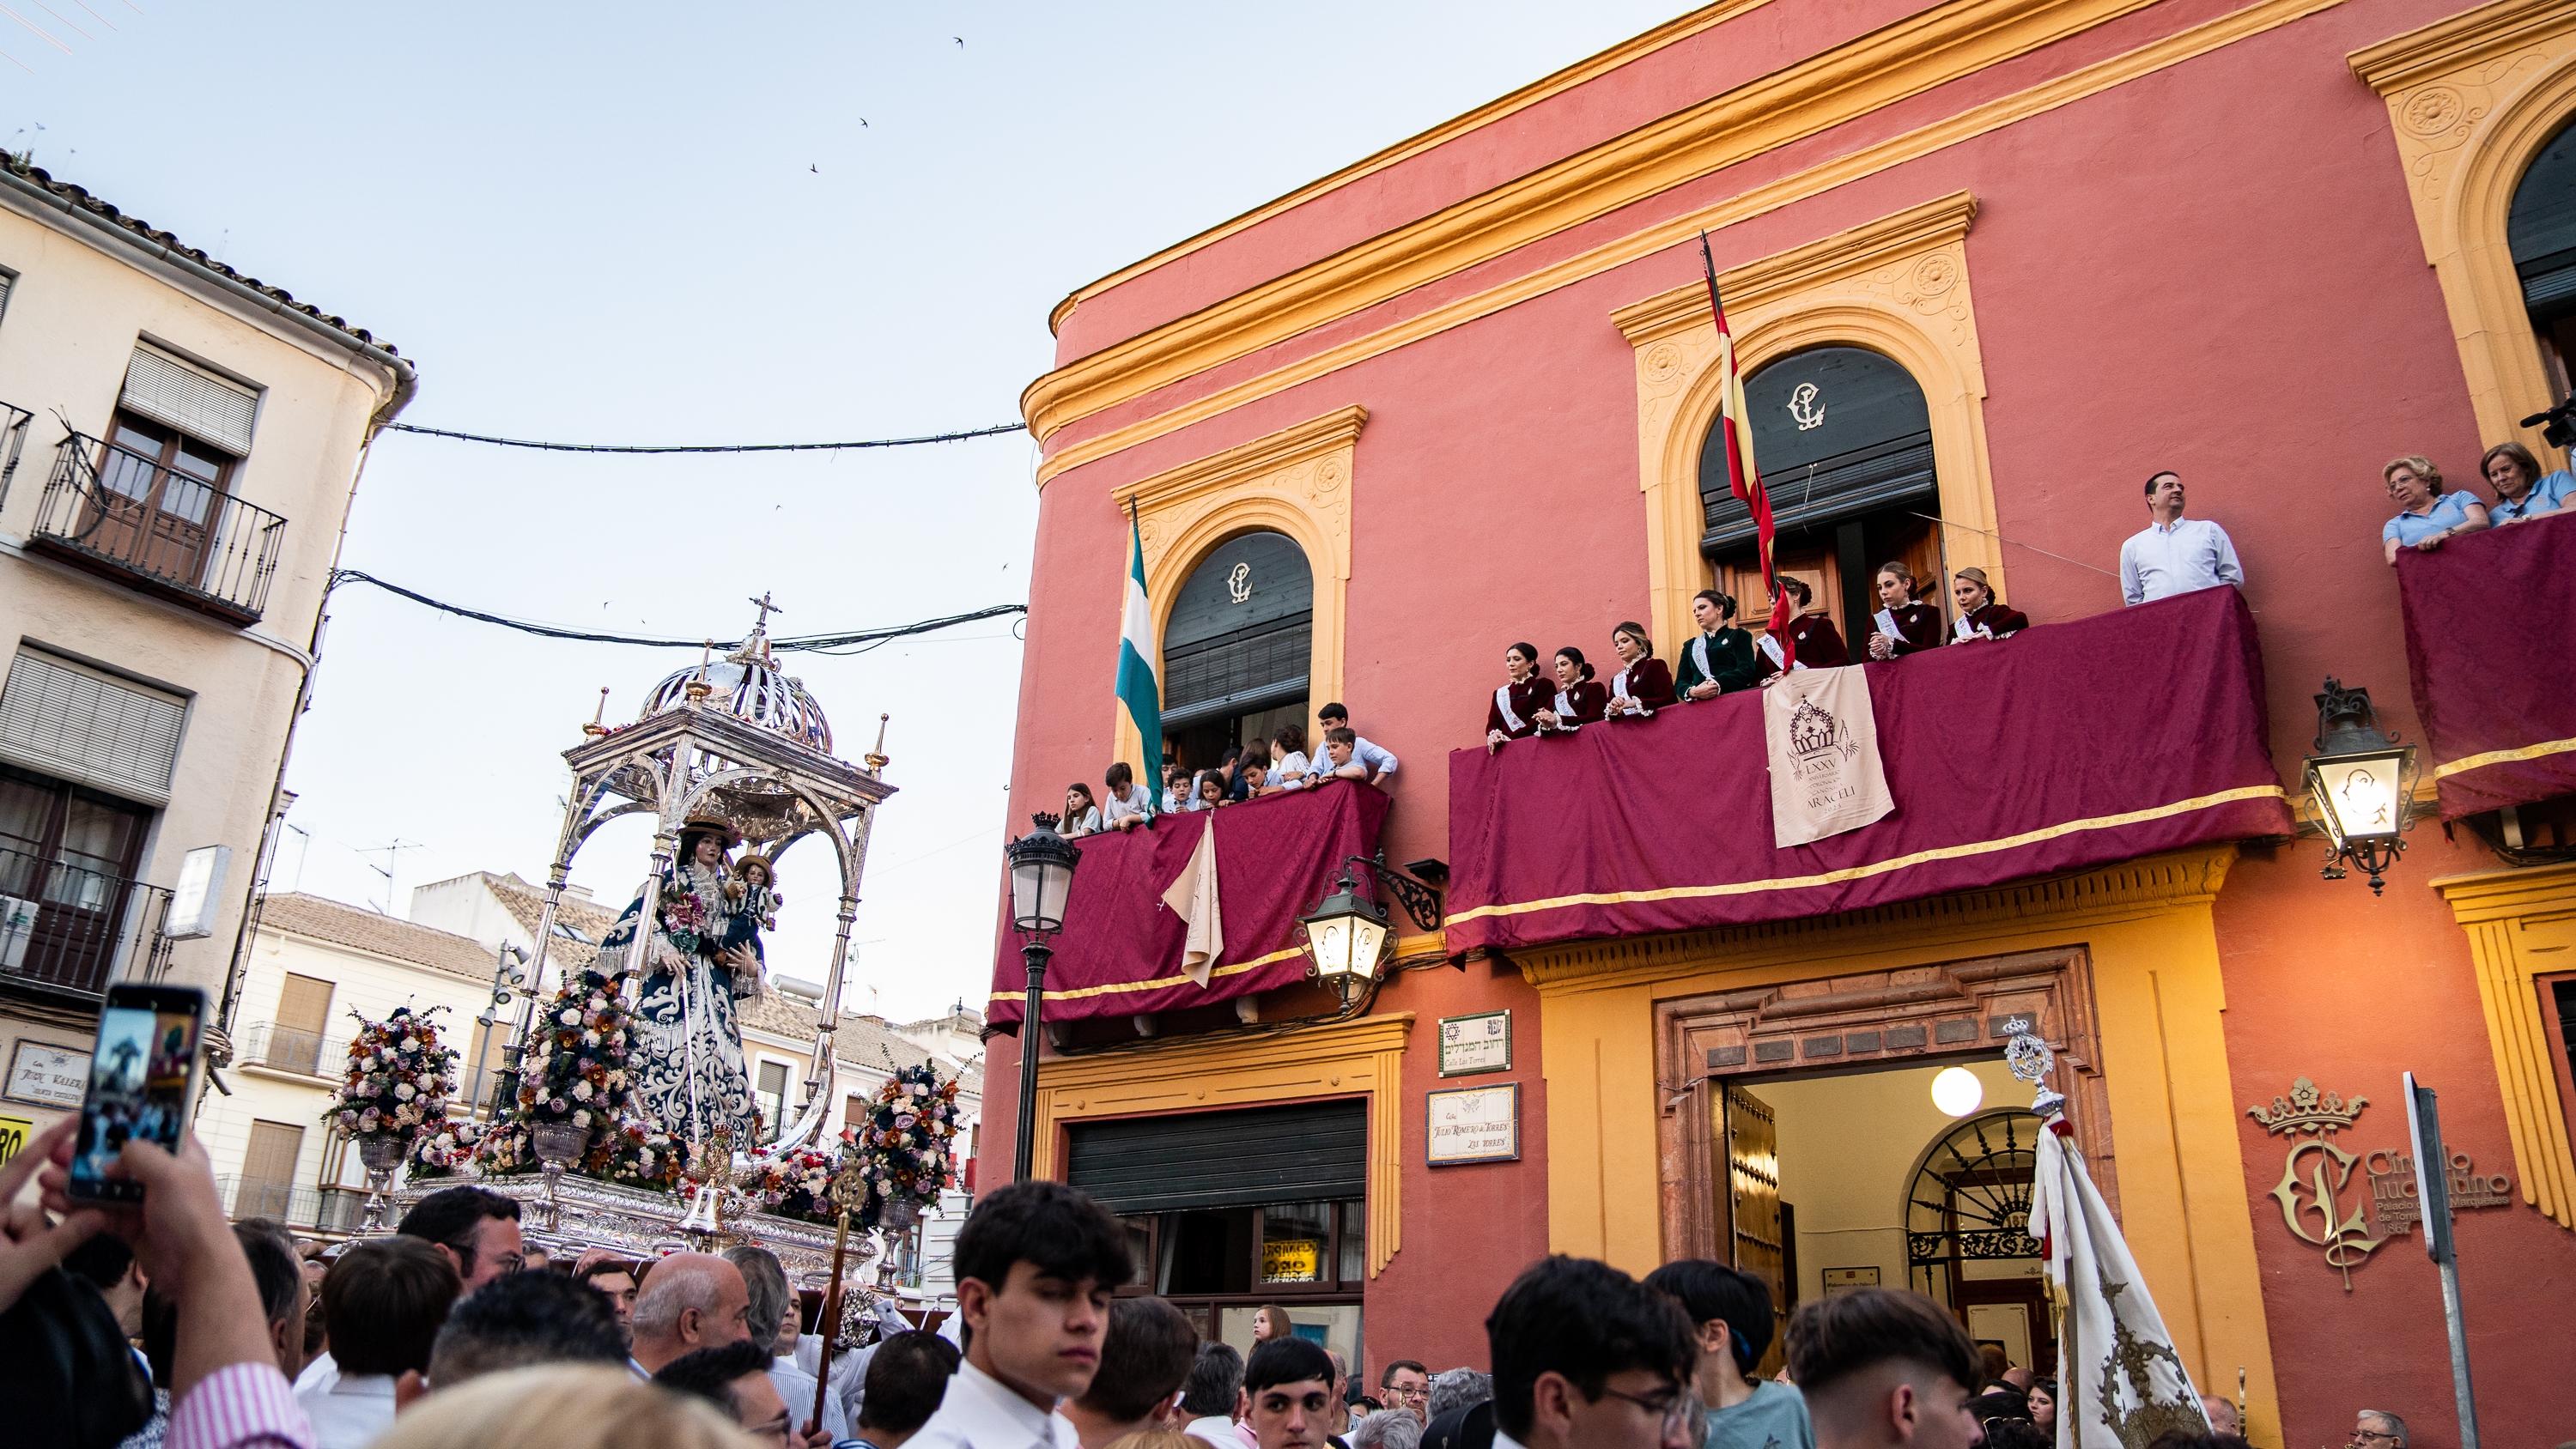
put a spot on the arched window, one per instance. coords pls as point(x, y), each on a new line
point(1844, 441)
point(2542, 231)
point(1237, 647)
point(1967, 1232)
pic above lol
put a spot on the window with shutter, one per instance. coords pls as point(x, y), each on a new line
point(196, 402)
point(268, 1170)
point(65, 718)
point(773, 1097)
point(303, 1012)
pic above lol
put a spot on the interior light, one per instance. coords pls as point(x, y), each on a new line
point(1957, 1092)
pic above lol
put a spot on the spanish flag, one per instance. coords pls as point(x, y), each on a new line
point(1741, 474)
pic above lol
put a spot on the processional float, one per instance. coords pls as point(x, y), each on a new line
point(734, 740)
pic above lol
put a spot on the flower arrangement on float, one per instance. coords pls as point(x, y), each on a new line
point(397, 1081)
point(446, 1150)
point(903, 1146)
point(795, 1184)
point(577, 1072)
point(634, 1150)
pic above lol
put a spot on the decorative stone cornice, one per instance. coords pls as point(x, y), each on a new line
point(1900, 236)
point(1284, 449)
point(2464, 39)
point(2151, 885)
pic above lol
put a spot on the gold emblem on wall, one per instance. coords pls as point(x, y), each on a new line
point(2316, 1173)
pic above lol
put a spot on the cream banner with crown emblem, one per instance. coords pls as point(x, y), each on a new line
point(1822, 738)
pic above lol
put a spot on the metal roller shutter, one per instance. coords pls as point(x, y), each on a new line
point(1311, 1152)
point(80, 724)
point(194, 401)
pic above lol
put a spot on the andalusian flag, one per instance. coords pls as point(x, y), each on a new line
point(1137, 688)
point(1741, 474)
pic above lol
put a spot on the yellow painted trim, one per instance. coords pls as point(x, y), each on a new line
point(2146, 926)
point(1591, 68)
point(1856, 165)
point(1296, 481)
point(1897, 286)
point(1118, 988)
point(2471, 101)
point(1877, 868)
point(2501, 910)
point(2503, 757)
point(1363, 1057)
point(1945, 43)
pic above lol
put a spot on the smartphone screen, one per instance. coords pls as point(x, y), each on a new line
point(142, 1083)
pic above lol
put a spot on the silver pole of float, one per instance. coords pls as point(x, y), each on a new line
point(2433, 1200)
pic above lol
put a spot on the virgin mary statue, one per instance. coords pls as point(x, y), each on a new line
point(688, 1045)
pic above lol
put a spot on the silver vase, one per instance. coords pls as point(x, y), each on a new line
point(895, 1222)
point(381, 1155)
point(556, 1145)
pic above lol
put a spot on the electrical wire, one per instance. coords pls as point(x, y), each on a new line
point(709, 447)
point(839, 645)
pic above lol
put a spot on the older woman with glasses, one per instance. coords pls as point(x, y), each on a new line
point(2426, 515)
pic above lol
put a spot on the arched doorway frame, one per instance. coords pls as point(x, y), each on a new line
point(1897, 286)
point(2472, 100)
point(1295, 482)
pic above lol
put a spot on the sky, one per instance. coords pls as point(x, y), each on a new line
point(698, 224)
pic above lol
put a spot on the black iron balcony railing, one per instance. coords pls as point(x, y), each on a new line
point(74, 929)
point(13, 441)
point(326, 1209)
point(160, 529)
point(292, 1049)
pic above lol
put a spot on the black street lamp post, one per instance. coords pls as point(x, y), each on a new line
point(1042, 865)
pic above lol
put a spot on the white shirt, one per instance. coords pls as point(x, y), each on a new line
point(1373, 756)
point(320, 1374)
point(797, 1387)
point(351, 1412)
point(2186, 555)
point(980, 1412)
point(1288, 768)
point(1216, 1430)
point(1134, 802)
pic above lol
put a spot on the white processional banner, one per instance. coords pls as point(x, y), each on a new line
point(1822, 738)
point(2121, 1382)
point(1192, 897)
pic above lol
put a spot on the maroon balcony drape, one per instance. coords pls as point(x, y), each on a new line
point(2065, 747)
point(1120, 951)
point(2487, 620)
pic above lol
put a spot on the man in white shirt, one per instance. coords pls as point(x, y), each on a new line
point(690, 1301)
point(1147, 1354)
point(1586, 1357)
point(1036, 1265)
point(1886, 1370)
point(1213, 1395)
point(2174, 554)
point(1290, 1384)
point(908, 1375)
point(1128, 805)
point(383, 1301)
point(770, 1324)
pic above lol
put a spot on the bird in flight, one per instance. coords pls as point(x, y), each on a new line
point(961, 41)
point(817, 170)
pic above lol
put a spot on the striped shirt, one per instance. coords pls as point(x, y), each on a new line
point(240, 1406)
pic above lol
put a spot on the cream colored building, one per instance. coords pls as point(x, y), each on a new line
point(178, 448)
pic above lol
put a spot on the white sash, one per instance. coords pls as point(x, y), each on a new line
point(1779, 659)
point(1966, 630)
point(1503, 704)
point(1886, 619)
point(1699, 656)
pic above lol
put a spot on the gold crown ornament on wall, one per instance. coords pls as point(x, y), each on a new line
point(2308, 1110)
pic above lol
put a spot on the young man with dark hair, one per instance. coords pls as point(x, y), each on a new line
point(384, 1300)
point(1036, 1265)
point(1733, 1312)
point(735, 1378)
point(477, 1228)
point(283, 1296)
point(613, 1279)
point(1149, 1351)
point(1407, 1384)
point(524, 1320)
point(1586, 1357)
point(1213, 1395)
point(1885, 1370)
point(1375, 758)
point(1290, 1383)
point(907, 1376)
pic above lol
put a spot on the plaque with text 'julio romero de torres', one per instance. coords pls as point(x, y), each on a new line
point(1478, 1043)
point(1473, 1124)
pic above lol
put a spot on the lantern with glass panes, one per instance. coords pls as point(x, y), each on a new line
point(1042, 864)
point(1348, 935)
point(2360, 781)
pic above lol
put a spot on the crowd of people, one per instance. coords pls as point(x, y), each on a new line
point(1257, 768)
point(162, 1326)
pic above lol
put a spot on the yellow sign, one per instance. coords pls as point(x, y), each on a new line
point(1292, 1260)
point(14, 1132)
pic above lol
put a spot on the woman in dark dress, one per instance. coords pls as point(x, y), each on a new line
point(1513, 715)
point(1981, 614)
point(1903, 626)
point(1814, 642)
point(1579, 699)
point(1642, 685)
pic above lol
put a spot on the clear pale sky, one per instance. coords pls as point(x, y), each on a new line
point(667, 224)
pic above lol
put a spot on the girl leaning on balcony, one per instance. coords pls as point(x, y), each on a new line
point(1579, 699)
point(1643, 684)
point(1981, 614)
point(2426, 515)
point(1903, 626)
point(1513, 714)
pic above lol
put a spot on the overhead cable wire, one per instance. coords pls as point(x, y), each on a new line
point(853, 642)
point(960, 437)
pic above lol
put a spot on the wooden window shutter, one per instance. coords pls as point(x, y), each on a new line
point(304, 1004)
point(82, 724)
point(268, 1170)
point(196, 402)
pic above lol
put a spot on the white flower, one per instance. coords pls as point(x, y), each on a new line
point(569, 1018)
point(581, 1119)
point(581, 1091)
point(405, 1091)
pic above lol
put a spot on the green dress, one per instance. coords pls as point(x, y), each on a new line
point(1730, 662)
